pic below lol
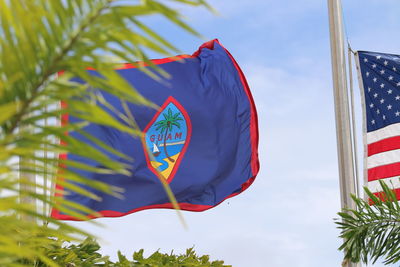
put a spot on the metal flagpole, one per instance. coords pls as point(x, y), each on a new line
point(353, 121)
point(343, 130)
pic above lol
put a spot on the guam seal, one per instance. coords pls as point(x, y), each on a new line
point(166, 138)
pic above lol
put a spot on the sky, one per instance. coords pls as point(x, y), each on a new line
point(286, 218)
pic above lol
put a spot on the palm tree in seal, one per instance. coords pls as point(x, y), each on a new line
point(167, 125)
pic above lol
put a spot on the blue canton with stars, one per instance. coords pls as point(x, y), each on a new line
point(381, 79)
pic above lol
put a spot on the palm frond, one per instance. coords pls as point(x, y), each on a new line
point(39, 40)
point(372, 230)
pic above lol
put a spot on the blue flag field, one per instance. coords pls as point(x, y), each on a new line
point(203, 140)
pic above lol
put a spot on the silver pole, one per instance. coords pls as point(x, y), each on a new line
point(353, 123)
point(343, 130)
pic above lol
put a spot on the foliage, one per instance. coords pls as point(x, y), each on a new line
point(86, 254)
point(372, 232)
point(38, 39)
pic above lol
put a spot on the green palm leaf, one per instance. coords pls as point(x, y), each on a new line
point(372, 232)
point(38, 39)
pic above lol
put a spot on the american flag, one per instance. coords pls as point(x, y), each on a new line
point(380, 75)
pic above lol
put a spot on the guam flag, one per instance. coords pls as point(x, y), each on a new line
point(202, 140)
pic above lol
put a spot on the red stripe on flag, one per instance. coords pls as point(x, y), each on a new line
point(382, 196)
point(384, 145)
point(384, 171)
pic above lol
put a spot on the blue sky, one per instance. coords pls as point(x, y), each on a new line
point(286, 217)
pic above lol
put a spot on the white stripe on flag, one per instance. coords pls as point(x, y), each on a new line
point(392, 182)
point(383, 133)
point(384, 158)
